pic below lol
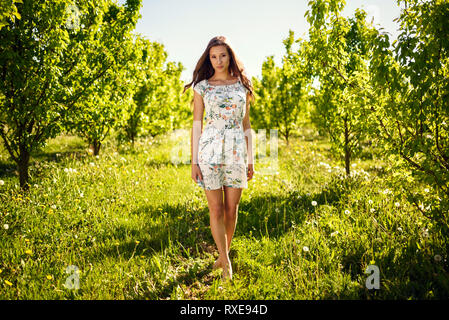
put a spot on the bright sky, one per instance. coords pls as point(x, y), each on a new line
point(255, 28)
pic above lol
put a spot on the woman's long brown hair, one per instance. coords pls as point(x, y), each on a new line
point(204, 69)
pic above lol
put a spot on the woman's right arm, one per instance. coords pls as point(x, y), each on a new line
point(197, 129)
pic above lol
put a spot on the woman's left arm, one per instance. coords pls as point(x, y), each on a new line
point(247, 131)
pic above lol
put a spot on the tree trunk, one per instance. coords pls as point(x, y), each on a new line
point(347, 151)
point(22, 166)
point(95, 147)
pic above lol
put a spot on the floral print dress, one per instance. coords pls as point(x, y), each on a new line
point(222, 149)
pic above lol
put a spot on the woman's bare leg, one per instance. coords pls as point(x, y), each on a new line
point(231, 204)
point(218, 229)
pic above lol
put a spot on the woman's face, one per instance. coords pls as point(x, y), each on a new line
point(219, 58)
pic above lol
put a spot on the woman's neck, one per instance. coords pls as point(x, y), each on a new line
point(224, 76)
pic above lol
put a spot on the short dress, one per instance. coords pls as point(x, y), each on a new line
point(222, 149)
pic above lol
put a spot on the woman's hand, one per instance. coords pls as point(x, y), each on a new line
point(196, 173)
point(250, 171)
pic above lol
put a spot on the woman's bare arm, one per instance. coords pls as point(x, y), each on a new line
point(197, 128)
point(247, 131)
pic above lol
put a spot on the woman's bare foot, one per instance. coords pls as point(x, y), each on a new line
point(217, 265)
point(227, 271)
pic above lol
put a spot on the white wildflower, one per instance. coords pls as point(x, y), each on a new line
point(314, 203)
point(347, 212)
point(305, 249)
point(6, 226)
point(2, 182)
point(372, 210)
point(437, 258)
point(370, 201)
point(397, 204)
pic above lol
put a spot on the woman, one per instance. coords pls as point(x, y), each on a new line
point(222, 160)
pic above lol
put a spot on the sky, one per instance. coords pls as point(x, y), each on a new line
point(254, 28)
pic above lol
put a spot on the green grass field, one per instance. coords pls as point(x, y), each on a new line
point(137, 227)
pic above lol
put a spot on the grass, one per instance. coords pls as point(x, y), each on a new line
point(136, 227)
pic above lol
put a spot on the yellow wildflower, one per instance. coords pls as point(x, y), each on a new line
point(8, 283)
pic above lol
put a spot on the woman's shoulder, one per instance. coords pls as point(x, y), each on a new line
point(200, 84)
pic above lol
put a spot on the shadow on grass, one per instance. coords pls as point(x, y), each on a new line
point(409, 274)
point(273, 216)
point(198, 273)
point(166, 225)
point(188, 234)
point(413, 274)
point(7, 169)
point(261, 216)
